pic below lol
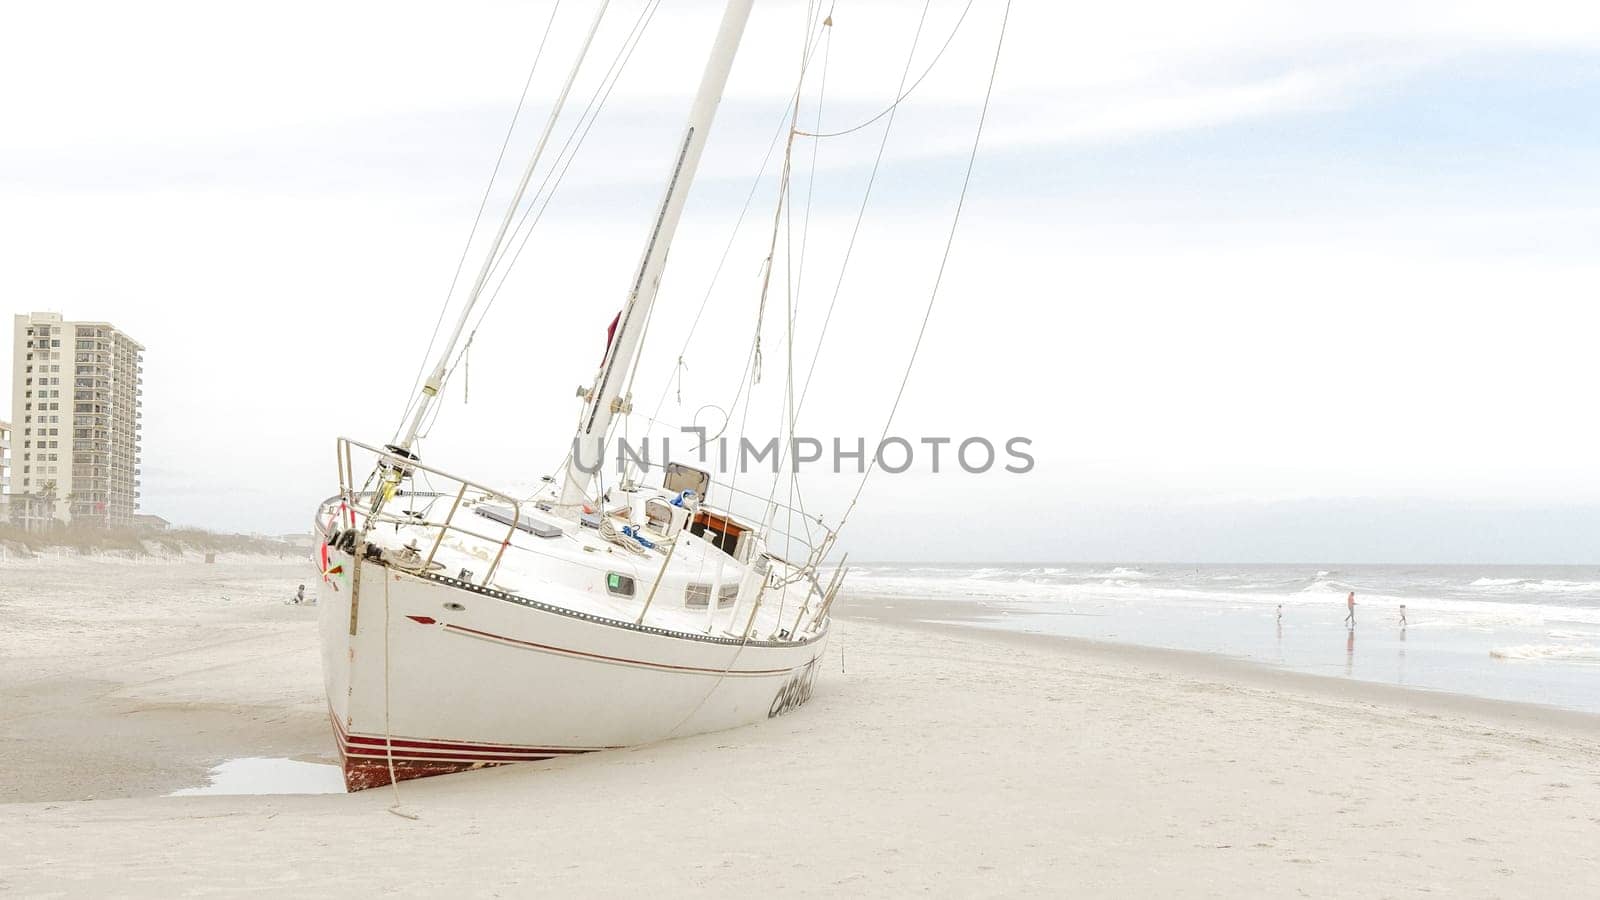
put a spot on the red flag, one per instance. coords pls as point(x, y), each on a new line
point(611, 332)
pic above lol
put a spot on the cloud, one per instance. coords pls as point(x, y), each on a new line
point(1219, 253)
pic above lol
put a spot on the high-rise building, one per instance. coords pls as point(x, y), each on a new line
point(75, 423)
point(5, 469)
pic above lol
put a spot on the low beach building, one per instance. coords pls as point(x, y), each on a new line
point(76, 391)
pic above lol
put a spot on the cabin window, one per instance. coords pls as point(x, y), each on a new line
point(698, 594)
point(619, 584)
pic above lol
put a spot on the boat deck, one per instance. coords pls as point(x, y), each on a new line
point(576, 568)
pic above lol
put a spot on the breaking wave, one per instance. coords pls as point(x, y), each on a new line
point(1537, 585)
point(1327, 586)
point(1120, 572)
point(1563, 652)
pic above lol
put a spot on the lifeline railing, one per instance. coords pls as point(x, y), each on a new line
point(374, 505)
point(815, 546)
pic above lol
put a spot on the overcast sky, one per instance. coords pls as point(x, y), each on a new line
point(1283, 281)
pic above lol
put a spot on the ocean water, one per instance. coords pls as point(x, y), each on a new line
point(1529, 634)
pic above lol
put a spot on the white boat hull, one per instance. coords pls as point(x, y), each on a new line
point(428, 675)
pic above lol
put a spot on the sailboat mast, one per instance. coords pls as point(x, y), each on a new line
point(603, 399)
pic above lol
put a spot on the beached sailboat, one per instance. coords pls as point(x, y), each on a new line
point(464, 626)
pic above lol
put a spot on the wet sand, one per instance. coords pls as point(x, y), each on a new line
point(932, 760)
point(134, 678)
point(956, 618)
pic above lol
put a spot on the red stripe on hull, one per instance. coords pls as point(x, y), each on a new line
point(469, 748)
point(365, 759)
point(360, 774)
point(379, 753)
point(619, 660)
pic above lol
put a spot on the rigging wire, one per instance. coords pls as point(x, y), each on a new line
point(861, 212)
point(933, 295)
point(790, 313)
point(808, 48)
point(477, 219)
point(907, 91)
point(646, 16)
point(712, 600)
point(727, 249)
point(795, 496)
point(579, 134)
point(791, 300)
point(596, 104)
point(446, 366)
point(755, 185)
point(793, 408)
point(811, 177)
point(781, 220)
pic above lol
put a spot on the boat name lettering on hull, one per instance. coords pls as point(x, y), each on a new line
point(795, 692)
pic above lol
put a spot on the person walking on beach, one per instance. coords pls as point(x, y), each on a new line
point(1350, 604)
point(300, 595)
point(1402, 615)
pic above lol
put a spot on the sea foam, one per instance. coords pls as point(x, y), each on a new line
point(1563, 652)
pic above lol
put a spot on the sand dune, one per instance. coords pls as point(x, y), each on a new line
point(936, 762)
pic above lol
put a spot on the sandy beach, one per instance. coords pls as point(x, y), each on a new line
point(931, 760)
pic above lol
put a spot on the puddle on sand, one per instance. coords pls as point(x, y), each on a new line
point(261, 775)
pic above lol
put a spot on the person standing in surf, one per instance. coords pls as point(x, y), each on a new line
point(1350, 604)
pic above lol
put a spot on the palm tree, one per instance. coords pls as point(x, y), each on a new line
point(45, 498)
